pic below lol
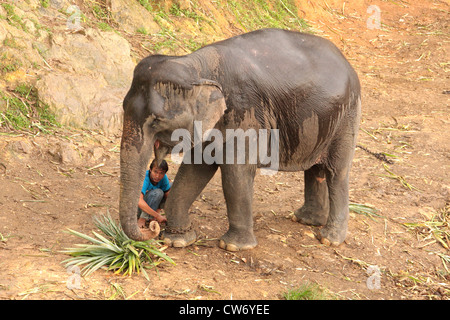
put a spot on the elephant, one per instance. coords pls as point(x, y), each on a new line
point(296, 84)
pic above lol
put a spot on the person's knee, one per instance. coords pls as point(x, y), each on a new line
point(157, 193)
point(154, 197)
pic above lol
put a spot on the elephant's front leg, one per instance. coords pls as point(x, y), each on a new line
point(190, 180)
point(237, 184)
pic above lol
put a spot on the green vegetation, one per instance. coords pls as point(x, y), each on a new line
point(364, 209)
point(12, 18)
point(188, 29)
point(257, 14)
point(307, 291)
point(8, 63)
point(21, 109)
point(45, 3)
point(115, 251)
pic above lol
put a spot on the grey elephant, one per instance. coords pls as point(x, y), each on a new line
point(297, 85)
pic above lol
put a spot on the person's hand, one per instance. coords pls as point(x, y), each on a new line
point(161, 219)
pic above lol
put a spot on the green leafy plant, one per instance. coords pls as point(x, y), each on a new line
point(114, 251)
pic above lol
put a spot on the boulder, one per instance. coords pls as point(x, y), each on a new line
point(92, 73)
point(132, 16)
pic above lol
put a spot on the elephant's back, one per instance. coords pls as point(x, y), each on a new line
point(272, 59)
point(277, 48)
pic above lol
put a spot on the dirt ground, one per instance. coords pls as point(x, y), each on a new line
point(403, 68)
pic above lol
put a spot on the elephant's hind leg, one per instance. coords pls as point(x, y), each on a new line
point(316, 207)
point(337, 176)
point(237, 184)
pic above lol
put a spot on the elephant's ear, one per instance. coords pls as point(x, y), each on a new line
point(210, 103)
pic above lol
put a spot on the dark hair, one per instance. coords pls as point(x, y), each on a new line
point(163, 166)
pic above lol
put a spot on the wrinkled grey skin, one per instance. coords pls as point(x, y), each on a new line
point(297, 83)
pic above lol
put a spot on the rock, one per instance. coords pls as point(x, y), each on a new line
point(34, 4)
point(96, 154)
point(309, 233)
point(184, 4)
point(29, 25)
point(69, 154)
point(16, 77)
point(83, 101)
point(3, 104)
point(16, 47)
point(95, 72)
point(65, 153)
point(22, 146)
point(132, 16)
point(60, 4)
point(93, 53)
point(3, 30)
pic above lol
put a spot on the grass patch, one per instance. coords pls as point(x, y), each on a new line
point(187, 30)
point(257, 14)
point(12, 18)
point(114, 251)
point(8, 63)
point(307, 291)
point(22, 110)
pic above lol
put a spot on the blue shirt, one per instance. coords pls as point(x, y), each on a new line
point(163, 184)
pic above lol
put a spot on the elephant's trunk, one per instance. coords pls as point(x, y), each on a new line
point(134, 158)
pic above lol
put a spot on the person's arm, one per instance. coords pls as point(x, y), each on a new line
point(167, 186)
point(146, 208)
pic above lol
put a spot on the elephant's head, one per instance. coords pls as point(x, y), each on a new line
point(166, 94)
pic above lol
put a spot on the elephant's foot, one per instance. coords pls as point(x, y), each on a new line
point(179, 240)
point(332, 236)
point(234, 241)
point(311, 216)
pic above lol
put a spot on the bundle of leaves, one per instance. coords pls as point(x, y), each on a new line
point(114, 251)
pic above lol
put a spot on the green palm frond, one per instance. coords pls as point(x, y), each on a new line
point(114, 250)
